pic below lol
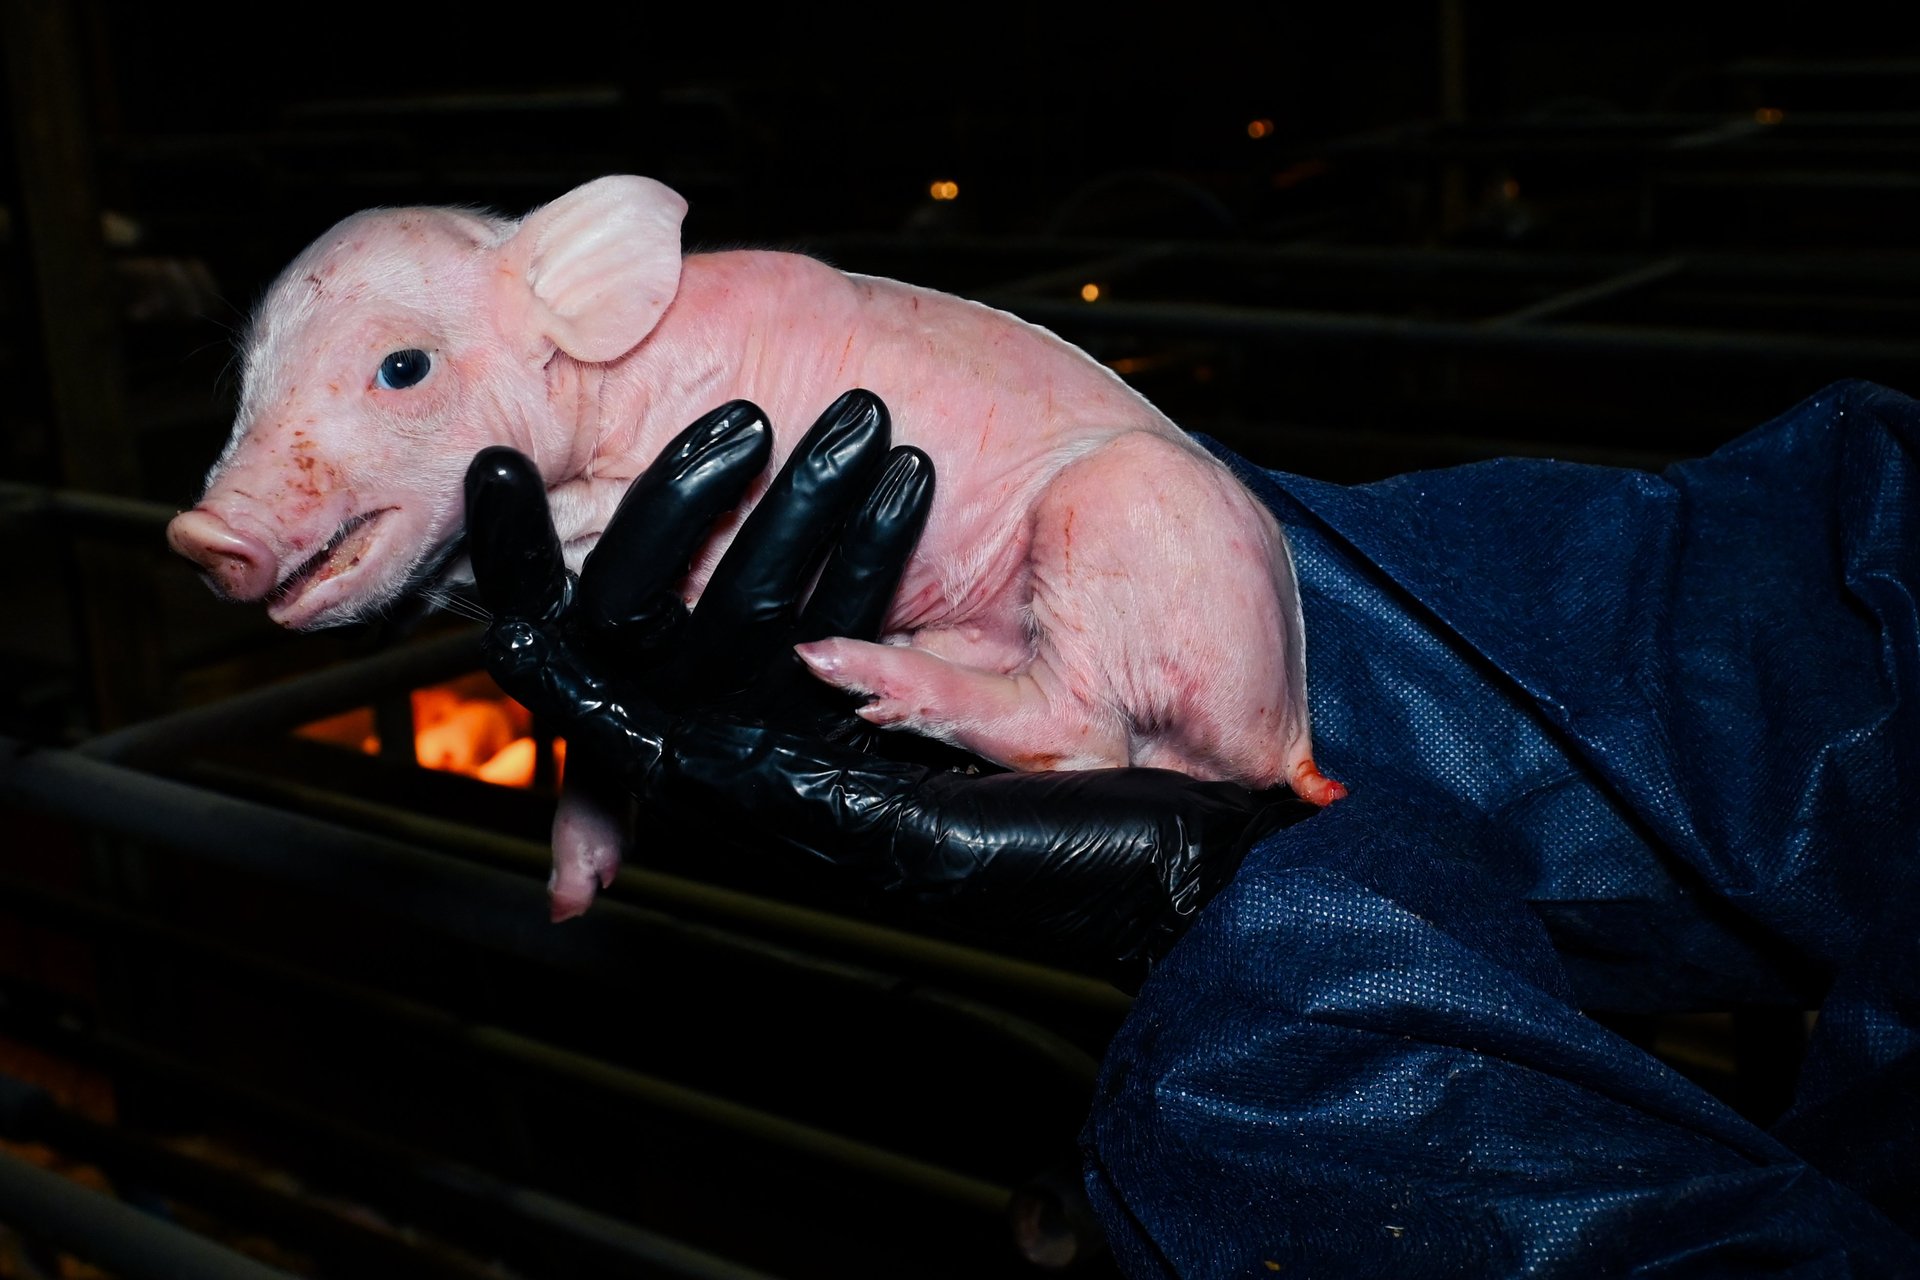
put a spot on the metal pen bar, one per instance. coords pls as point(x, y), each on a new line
point(278, 707)
point(638, 895)
point(453, 1192)
point(1396, 260)
point(1573, 299)
point(99, 512)
point(478, 905)
point(570, 1068)
point(692, 898)
point(130, 1243)
point(457, 1191)
point(462, 1193)
point(1598, 341)
point(249, 1202)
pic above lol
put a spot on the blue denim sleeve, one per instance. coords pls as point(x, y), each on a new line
point(1616, 742)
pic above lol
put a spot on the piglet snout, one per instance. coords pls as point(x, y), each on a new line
point(239, 564)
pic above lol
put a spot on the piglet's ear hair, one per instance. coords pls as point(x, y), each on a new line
point(592, 273)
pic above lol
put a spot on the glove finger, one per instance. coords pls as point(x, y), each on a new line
point(748, 608)
point(856, 587)
point(629, 587)
point(517, 565)
point(518, 655)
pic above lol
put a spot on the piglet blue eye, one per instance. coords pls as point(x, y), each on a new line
point(402, 369)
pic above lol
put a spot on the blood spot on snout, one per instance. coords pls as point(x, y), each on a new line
point(316, 479)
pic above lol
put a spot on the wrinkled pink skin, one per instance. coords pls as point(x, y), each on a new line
point(1092, 589)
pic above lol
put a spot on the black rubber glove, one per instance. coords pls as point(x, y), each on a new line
point(625, 614)
point(1102, 869)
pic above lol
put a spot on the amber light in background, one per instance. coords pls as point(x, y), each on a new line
point(465, 726)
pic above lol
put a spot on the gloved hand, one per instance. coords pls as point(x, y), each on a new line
point(625, 613)
point(710, 715)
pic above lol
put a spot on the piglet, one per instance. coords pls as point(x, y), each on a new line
point(1092, 588)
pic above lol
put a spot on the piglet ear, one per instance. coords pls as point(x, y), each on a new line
point(593, 272)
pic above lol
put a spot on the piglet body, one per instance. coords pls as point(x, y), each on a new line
point(1092, 588)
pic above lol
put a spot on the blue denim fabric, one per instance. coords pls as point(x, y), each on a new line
point(1616, 741)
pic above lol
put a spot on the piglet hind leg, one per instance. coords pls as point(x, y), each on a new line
point(1166, 633)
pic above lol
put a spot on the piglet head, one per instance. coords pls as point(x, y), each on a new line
point(401, 343)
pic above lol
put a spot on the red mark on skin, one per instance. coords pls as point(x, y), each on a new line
point(845, 352)
point(317, 478)
point(986, 428)
point(1034, 761)
point(1066, 540)
point(1315, 787)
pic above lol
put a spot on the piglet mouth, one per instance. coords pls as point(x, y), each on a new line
point(341, 552)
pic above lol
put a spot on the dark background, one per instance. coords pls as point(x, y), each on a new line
point(1613, 234)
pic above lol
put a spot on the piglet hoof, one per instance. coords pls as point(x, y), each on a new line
point(574, 883)
point(586, 858)
point(863, 669)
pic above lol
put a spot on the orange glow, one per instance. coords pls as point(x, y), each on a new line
point(1510, 189)
point(1259, 128)
point(461, 736)
point(1089, 292)
point(475, 731)
point(511, 766)
point(1769, 115)
point(944, 190)
point(467, 726)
